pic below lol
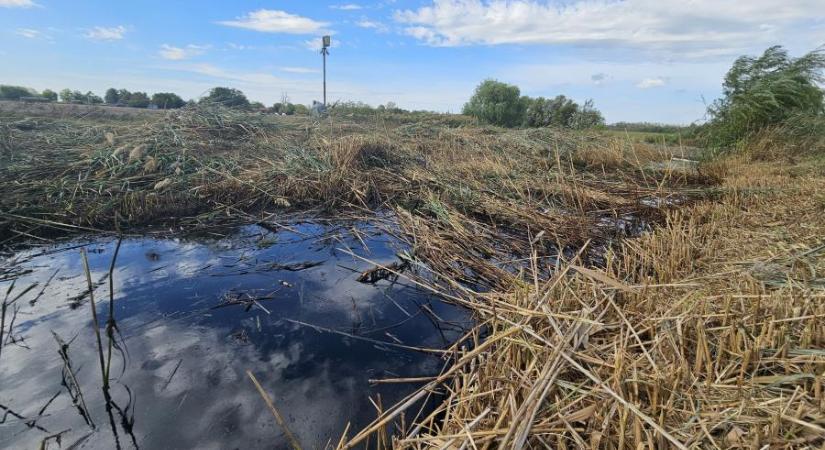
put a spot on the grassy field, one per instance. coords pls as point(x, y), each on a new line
point(706, 331)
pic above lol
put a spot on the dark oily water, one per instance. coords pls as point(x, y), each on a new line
point(194, 316)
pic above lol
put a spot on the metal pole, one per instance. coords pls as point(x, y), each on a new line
point(324, 52)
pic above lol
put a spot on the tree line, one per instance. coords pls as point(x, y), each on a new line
point(223, 96)
point(502, 104)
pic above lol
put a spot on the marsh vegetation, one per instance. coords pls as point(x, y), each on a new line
point(499, 287)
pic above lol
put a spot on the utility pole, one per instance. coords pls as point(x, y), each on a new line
point(326, 41)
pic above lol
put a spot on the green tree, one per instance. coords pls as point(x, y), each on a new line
point(49, 95)
point(90, 98)
point(561, 112)
point(112, 96)
point(168, 100)
point(767, 90)
point(66, 96)
point(138, 100)
point(587, 116)
point(231, 98)
point(15, 92)
point(496, 103)
point(123, 96)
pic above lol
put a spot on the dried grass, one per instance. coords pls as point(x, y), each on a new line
point(706, 333)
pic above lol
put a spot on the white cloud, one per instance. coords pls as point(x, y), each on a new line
point(106, 33)
point(347, 7)
point(28, 33)
point(235, 46)
point(181, 53)
point(648, 83)
point(369, 24)
point(302, 70)
point(671, 25)
point(273, 21)
point(17, 4)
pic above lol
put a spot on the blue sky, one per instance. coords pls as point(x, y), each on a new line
point(639, 60)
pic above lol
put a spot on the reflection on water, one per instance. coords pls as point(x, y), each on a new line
point(194, 316)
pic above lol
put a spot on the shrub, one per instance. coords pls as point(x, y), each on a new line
point(231, 98)
point(497, 103)
point(168, 100)
point(49, 95)
point(138, 100)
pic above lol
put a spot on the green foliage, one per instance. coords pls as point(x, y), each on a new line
point(137, 100)
point(501, 104)
point(49, 95)
point(284, 108)
point(542, 112)
point(15, 92)
point(587, 116)
point(497, 103)
point(765, 91)
point(112, 96)
point(352, 108)
point(67, 96)
point(648, 127)
point(92, 99)
point(89, 98)
point(231, 98)
point(168, 100)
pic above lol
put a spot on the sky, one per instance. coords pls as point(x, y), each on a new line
point(639, 60)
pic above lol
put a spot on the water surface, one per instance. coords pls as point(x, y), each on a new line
point(194, 316)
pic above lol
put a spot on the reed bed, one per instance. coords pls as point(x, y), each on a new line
point(202, 167)
point(707, 332)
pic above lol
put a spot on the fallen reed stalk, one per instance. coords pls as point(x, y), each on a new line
point(705, 332)
point(278, 418)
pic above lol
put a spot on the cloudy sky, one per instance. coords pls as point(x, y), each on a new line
point(651, 60)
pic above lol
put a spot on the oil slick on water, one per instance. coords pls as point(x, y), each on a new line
point(194, 315)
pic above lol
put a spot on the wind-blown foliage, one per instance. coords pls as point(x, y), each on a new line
point(767, 90)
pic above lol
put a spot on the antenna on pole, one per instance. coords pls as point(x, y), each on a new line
point(326, 41)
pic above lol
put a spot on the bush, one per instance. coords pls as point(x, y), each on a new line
point(49, 95)
point(168, 100)
point(765, 91)
point(138, 100)
point(15, 92)
point(497, 103)
point(231, 98)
